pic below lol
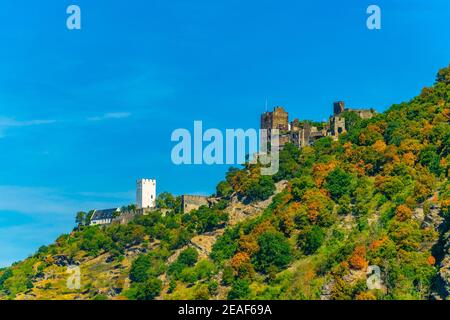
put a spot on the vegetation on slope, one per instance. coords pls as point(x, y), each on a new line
point(378, 196)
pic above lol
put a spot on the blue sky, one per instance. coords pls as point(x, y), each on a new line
point(85, 113)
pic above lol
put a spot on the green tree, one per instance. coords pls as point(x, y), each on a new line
point(166, 200)
point(262, 189)
point(148, 290)
point(239, 290)
point(300, 185)
point(274, 250)
point(188, 257)
point(80, 218)
point(227, 275)
point(443, 76)
point(351, 119)
point(311, 239)
point(339, 183)
point(139, 269)
point(430, 158)
point(224, 189)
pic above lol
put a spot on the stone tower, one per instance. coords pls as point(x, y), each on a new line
point(337, 126)
point(145, 193)
point(278, 119)
point(338, 107)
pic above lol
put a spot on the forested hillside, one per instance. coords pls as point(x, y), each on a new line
point(378, 196)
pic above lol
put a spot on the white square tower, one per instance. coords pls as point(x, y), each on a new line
point(146, 193)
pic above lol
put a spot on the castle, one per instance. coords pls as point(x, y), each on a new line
point(145, 203)
point(305, 133)
point(300, 133)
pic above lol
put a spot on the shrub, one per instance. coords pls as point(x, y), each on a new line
point(300, 185)
point(274, 250)
point(239, 290)
point(148, 290)
point(339, 183)
point(311, 240)
point(262, 189)
point(188, 257)
point(224, 189)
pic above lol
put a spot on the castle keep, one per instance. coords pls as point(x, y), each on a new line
point(305, 133)
point(146, 193)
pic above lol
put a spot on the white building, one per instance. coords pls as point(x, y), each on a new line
point(146, 193)
point(102, 217)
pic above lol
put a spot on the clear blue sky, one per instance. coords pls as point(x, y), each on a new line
point(83, 114)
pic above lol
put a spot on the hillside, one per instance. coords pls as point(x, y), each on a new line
point(378, 196)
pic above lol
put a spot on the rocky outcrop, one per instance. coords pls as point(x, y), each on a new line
point(239, 211)
point(64, 261)
point(433, 218)
point(444, 271)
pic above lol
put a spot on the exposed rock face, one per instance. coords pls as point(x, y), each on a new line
point(327, 290)
point(444, 271)
point(433, 219)
point(205, 242)
point(239, 211)
point(64, 261)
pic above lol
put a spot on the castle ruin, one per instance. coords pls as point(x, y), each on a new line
point(305, 133)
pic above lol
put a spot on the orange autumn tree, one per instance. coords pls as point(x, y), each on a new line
point(403, 213)
point(321, 170)
point(358, 259)
point(317, 205)
point(242, 266)
point(248, 243)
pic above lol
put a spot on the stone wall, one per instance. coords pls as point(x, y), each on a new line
point(190, 203)
point(362, 113)
point(129, 216)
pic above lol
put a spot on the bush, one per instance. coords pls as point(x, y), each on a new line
point(274, 250)
point(148, 290)
point(139, 269)
point(339, 183)
point(226, 246)
point(300, 185)
point(204, 269)
point(311, 240)
point(213, 287)
point(207, 219)
point(227, 275)
point(188, 257)
point(262, 190)
point(239, 290)
point(224, 189)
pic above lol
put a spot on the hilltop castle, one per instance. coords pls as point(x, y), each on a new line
point(145, 204)
point(305, 133)
point(300, 133)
